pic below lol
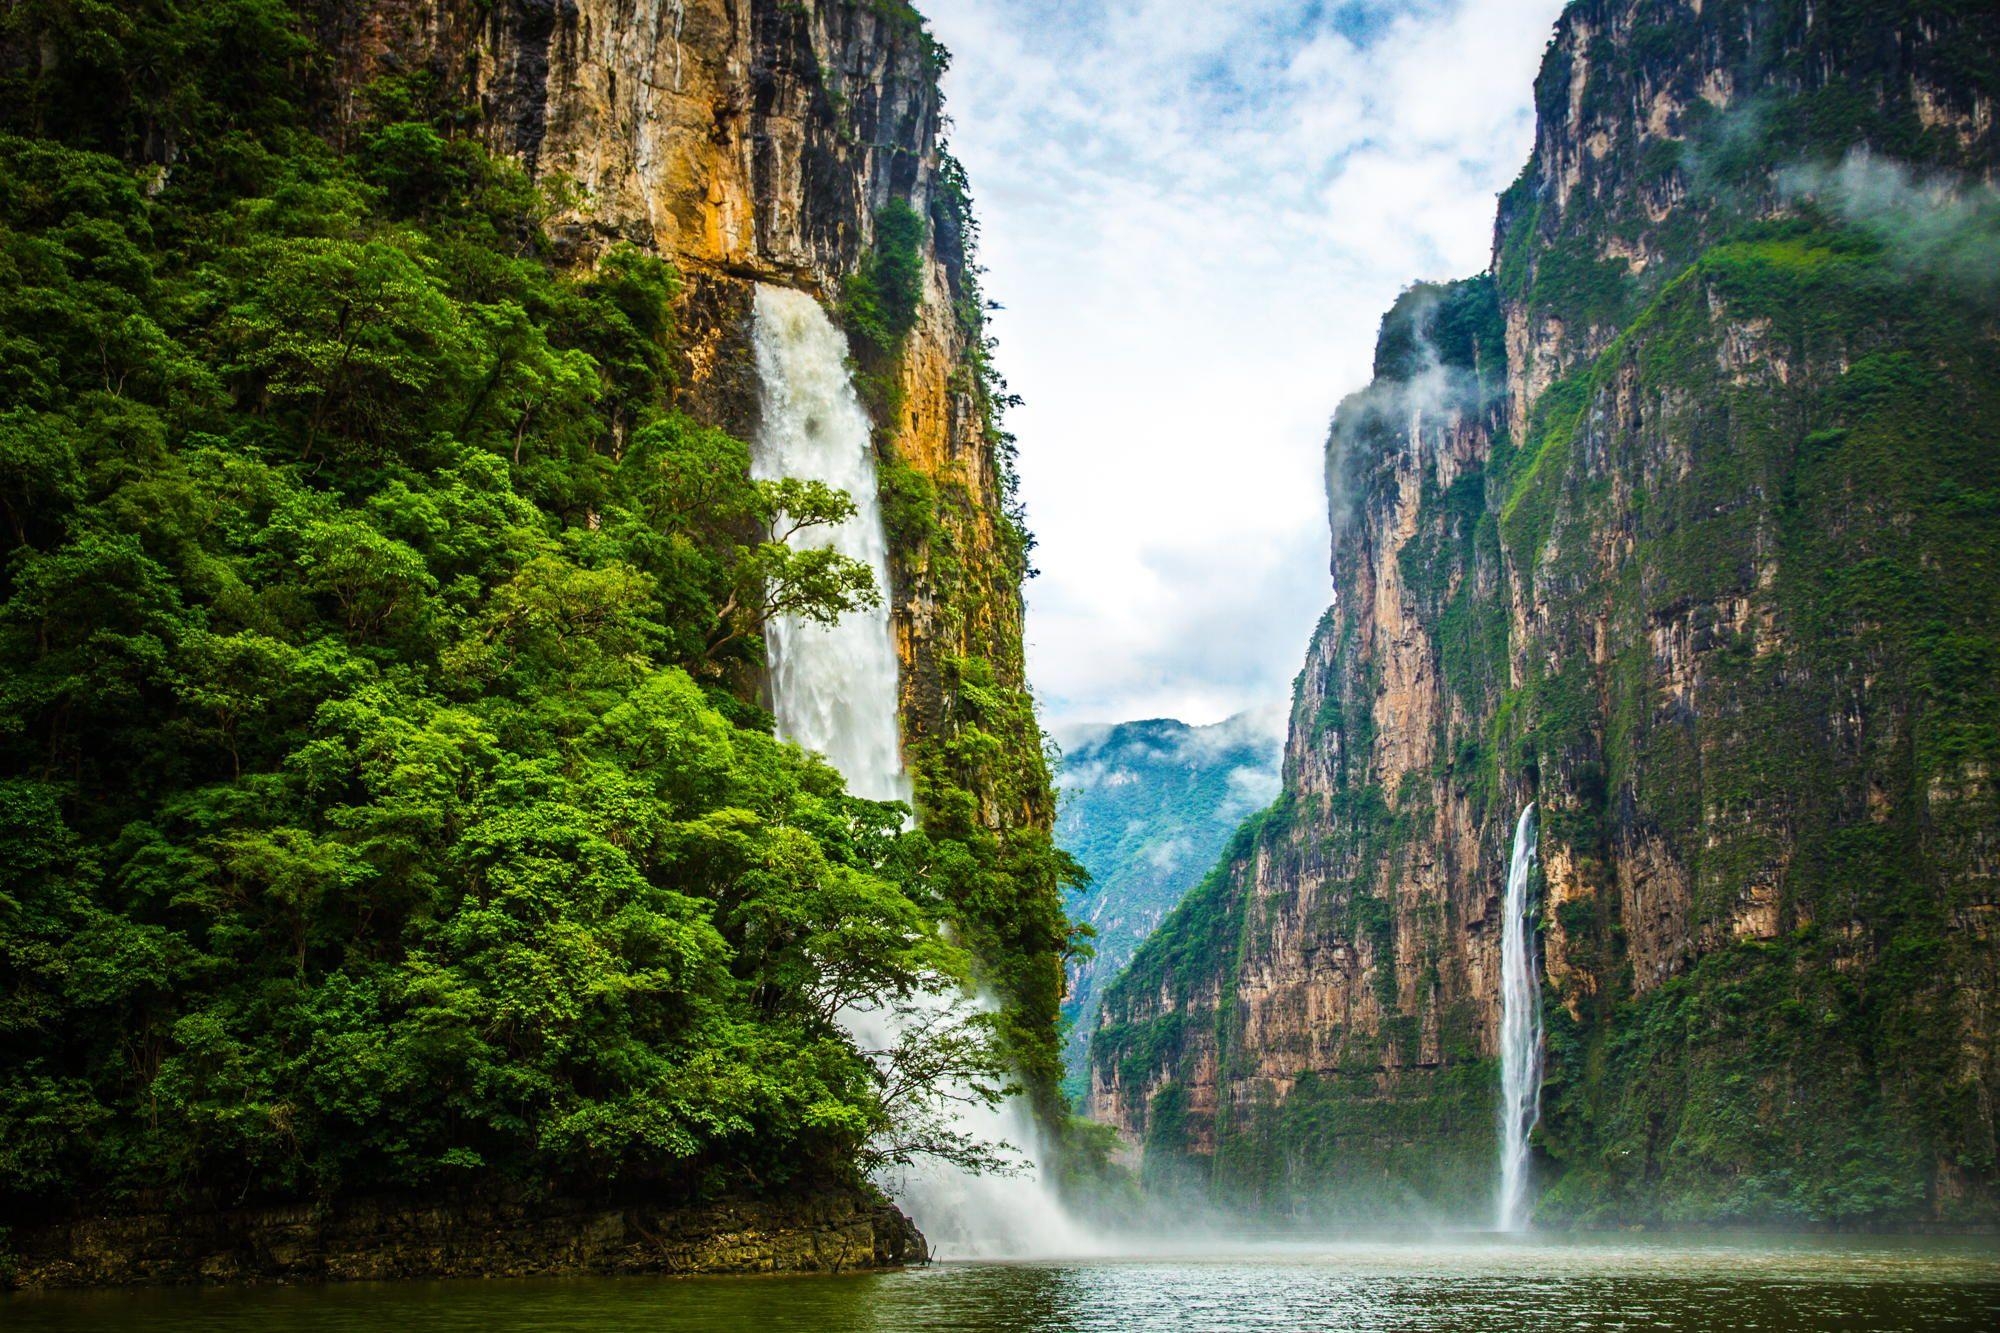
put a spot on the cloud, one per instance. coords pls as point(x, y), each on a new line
point(1254, 728)
point(1096, 757)
point(1170, 853)
point(1194, 216)
point(1418, 397)
point(1939, 223)
point(1253, 788)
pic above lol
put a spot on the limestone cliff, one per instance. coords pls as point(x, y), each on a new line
point(760, 141)
point(1668, 524)
point(750, 141)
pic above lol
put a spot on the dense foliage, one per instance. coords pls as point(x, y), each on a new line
point(378, 806)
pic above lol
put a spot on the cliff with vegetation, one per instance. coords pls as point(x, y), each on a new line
point(1680, 523)
point(795, 144)
point(386, 796)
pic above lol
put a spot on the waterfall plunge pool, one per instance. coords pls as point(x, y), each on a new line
point(1438, 1283)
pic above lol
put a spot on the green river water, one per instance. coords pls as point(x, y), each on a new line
point(1439, 1283)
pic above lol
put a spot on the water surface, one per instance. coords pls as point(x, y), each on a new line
point(1447, 1284)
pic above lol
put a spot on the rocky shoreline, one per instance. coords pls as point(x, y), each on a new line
point(377, 1239)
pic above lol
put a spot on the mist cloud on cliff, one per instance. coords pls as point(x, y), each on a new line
point(1937, 223)
point(1428, 397)
point(1196, 215)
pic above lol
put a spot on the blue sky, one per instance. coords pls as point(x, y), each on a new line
point(1194, 215)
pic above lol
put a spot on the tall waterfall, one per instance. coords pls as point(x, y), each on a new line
point(834, 691)
point(1520, 1029)
point(833, 686)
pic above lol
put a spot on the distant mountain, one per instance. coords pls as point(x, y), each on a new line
point(1147, 807)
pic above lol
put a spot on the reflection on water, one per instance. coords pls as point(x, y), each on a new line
point(1450, 1284)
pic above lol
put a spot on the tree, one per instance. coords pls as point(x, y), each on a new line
point(362, 824)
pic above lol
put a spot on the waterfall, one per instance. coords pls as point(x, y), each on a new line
point(833, 686)
point(1520, 1029)
point(967, 1216)
point(834, 690)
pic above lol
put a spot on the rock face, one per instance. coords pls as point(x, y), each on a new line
point(1661, 525)
point(754, 141)
point(377, 1239)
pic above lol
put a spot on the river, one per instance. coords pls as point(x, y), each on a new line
point(1435, 1284)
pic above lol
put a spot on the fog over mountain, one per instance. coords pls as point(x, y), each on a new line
point(1147, 807)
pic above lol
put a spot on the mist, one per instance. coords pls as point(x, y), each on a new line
point(1936, 223)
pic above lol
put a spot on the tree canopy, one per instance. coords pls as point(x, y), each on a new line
point(380, 804)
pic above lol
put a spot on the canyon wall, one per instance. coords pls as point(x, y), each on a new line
point(1680, 523)
point(754, 141)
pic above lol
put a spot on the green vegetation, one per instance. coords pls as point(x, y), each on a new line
point(1360, 1143)
point(1004, 878)
point(973, 743)
point(380, 805)
point(1149, 1044)
point(878, 308)
point(879, 302)
point(905, 19)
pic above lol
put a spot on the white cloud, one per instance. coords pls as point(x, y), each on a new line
point(1195, 215)
point(1166, 855)
point(1936, 222)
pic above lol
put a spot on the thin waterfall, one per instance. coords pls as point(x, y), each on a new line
point(834, 690)
point(1520, 1029)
